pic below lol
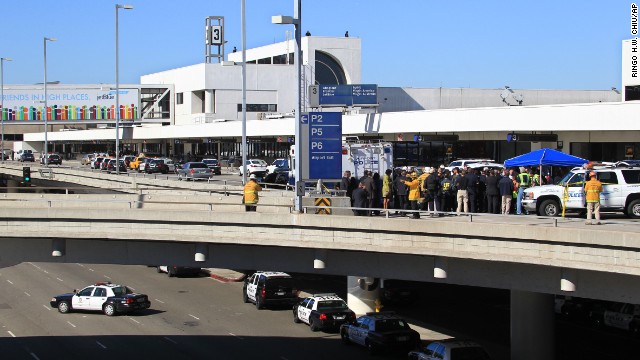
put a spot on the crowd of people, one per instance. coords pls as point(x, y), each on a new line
point(438, 190)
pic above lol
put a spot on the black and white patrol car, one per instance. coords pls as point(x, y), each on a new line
point(322, 311)
point(270, 288)
point(383, 331)
point(101, 296)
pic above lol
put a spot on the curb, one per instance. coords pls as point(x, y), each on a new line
point(226, 279)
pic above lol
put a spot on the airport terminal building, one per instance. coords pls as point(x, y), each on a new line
point(197, 110)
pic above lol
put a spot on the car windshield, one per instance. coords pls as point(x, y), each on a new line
point(572, 179)
point(121, 290)
point(391, 325)
point(332, 304)
point(469, 353)
point(158, 161)
point(210, 161)
point(280, 163)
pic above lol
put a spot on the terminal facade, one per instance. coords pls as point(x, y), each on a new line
point(202, 112)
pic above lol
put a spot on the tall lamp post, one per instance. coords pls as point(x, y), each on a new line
point(126, 7)
point(296, 20)
point(243, 148)
point(2, 60)
point(44, 113)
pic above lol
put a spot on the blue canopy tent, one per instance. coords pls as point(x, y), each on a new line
point(545, 157)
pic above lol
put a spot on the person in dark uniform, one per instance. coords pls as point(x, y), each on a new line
point(493, 193)
point(360, 200)
point(402, 191)
point(472, 189)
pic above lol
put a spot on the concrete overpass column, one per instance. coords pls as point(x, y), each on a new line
point(58, 247)
point(532, 325)
point(362, 294)
point(202, 250)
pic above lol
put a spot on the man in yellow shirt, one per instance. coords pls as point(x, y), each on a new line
point(251, 189)
point(592, 190)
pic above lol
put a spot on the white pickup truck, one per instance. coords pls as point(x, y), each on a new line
point(621, 192)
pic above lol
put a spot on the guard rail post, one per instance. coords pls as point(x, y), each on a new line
point(470, 217)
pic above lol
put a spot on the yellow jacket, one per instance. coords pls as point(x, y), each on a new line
point(251, 189)
point(414, 189)
point(592, 189)
point(421, 179)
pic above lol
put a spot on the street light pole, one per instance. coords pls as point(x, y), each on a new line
point(126, 7)
point(296, 20)
point(44, 113)
point(244, 93)
point(2, 60)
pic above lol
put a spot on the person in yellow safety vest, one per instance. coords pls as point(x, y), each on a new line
point(251, 189)
point(524, 181)
point(414, 193)
point(592, 190)
point(421, 179)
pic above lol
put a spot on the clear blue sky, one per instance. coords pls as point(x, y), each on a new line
point(544, 44)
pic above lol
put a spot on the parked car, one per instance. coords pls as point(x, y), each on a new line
point(135, 163)
point(194, 170)
point(86, 159)
point(109, 298)
point(450, 349)
point(52, 159)
point(270, 288)
point(142, 166)
point(111, 166)
point(24, 157)
point(214, 165)
point(173, 270)
point(323, 311)
point(95, 164)
point(278, 165)
point(257, 167)
point(156, 166)
point(380, 331)
point(127, 159)
point(103, 164)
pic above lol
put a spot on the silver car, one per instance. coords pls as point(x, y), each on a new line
point(194, 170)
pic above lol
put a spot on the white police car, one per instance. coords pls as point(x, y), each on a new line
point(270, 288)
point(101, 296)
point(450, 349)
point(322, 311)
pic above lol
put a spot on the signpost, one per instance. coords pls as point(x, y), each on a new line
point(321, 145)
point(343, 95)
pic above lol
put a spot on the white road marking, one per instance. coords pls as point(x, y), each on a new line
point(82, 266)
point(102, 346)
point(107, 277)
point(239, 337)
point(10, 333)
point(34, 356)
point(59, 279)
point(36, 266)
point(91, 269)
point(69, 322)
point(46, 307)
point(9, 281)
point(170, 340)
point(160, 301)
point(45, 271)
point(135, 321)
point(195, 317)
point(26, 293)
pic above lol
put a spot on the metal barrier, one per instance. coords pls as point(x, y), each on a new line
point(46, 172)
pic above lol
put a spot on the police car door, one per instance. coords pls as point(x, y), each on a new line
point(300, 308)
point(305, 312)
point(611, 195)
point(575, 188)
point(251, 287)
point(362, 331)
point(82, 300)
point(98, 298)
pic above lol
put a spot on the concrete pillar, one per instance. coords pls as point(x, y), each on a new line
point(202, 250)
point(440, 267)
point(319, 258)
point(58, 247)
point(208, 101)
point(363, 293)
point(532, 325)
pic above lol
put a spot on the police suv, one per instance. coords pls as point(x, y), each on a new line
point(270, 288)
point(322, 311)
point(101, 296)
point(620, 192)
